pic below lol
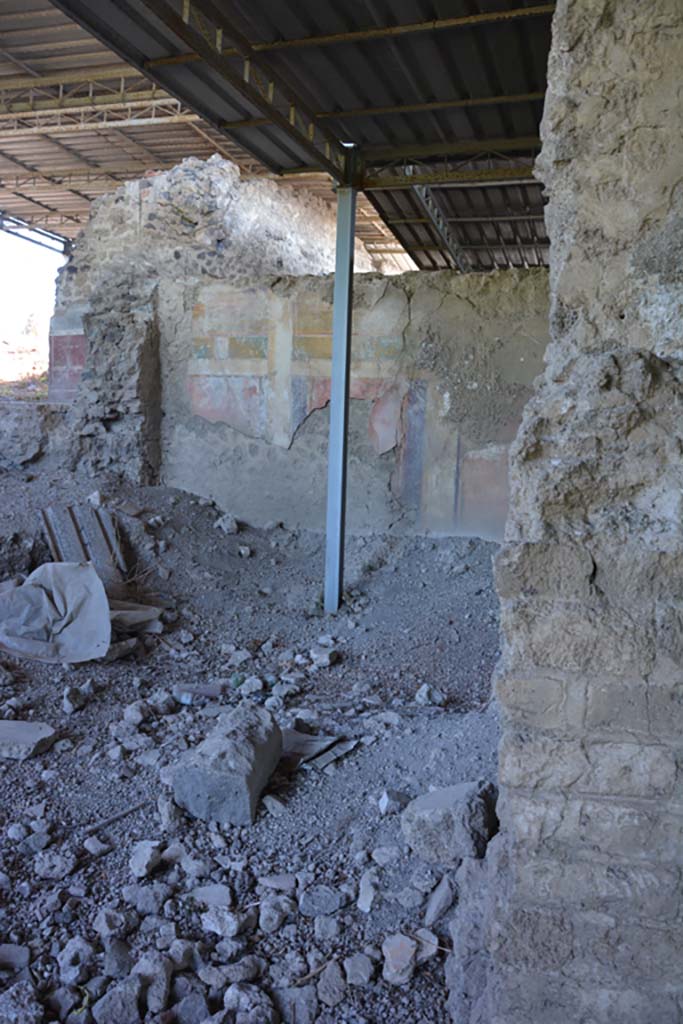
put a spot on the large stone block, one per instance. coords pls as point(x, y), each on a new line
point(631, 832)
point(448, 824)
point(547, 569)
point(544, 762)
point(648, 890)
point(546, 700)
point(222, 778)
point(571, 637)
point(522, 997)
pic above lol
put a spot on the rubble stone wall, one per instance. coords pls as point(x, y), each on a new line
point(442, 365)
point(200, 307)
point(587, 926)
point(199, 219)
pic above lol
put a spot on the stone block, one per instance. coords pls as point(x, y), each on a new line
point(630, 831)
point(519, 995)
point(538, 761)
point(19, 1005)
point(545, 569)
point(19, 740)
point(222, 778)
point(570, 637)
point(650, 891)
point(448, 824)
point(545, 700)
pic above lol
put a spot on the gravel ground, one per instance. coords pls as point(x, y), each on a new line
point(417, 611)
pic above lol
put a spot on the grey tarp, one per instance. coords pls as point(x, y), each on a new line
point(60, 613)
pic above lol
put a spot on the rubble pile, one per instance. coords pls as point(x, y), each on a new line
point(236, 823)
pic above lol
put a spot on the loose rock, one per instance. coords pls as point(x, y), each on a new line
point(331, 985)
point(399, 959)
point(448, 824)
point(222, 779)
point(19, 740)
point(359, 969)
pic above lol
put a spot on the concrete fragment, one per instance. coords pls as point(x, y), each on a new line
point(19, 740)
point(326, 929)
point(14, 957)
point(52, 865)
point(367, 890)
point(384, 855)
point(392, 801)
point(359, 969)
point(427, 695)
point(323, 657)
point(73, 699)
point(227, 523)
point(222, 779)
point(121, 1003)
point(440, 900)
point(297, 1004)
point(399, 959)
point(319, 900)
point(448, 824)
point(118, 959)
point(273, 912)
point(249, 1004)
point(216, 894)
point(192, 1009)
point(74, 961)
point(95, 847)
point(156, 972)
point(109, 923)
point(226, 923)
point(19, 1005)
point(145, 857)
point(251, 685)
point(331, 985)
point(428, 945)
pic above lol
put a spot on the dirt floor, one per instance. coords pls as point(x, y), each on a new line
point(237, 606)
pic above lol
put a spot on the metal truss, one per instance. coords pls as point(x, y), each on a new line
point(29, 232)
point(438, 223)
point(203, 27)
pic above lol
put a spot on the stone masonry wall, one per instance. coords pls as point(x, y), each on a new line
point(201, 305)
point(199, 219)
point(585, 921)
point(442, 365)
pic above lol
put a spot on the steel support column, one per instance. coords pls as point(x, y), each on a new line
point(339, 397)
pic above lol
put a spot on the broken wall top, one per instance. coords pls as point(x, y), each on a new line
point(201, 219)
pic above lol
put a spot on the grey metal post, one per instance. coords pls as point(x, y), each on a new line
point(339, 397)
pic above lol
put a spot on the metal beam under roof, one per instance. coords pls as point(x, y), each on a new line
point(455, 88)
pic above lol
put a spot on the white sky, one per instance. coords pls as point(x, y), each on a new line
point(27, 286)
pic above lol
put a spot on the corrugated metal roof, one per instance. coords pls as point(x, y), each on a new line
point(448, 91)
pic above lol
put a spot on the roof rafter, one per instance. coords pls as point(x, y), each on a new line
point(259, 92)
point(375, 32)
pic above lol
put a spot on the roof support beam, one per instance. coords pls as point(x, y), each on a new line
point(489, 176)
point(469, 247)
point(83, 75)
point(47, 239)
point(384, 154)
point(27, 108)
point(381, 32)
point(436, 220)
point(8, 134)
point(259, 91)
point(420, 108)
point(342, 317)
point(405, 108)
point(501, 219)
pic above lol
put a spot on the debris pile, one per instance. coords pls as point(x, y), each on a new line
point(233, 822)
